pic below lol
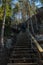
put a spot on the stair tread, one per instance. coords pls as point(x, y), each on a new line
point(22, 64)
point(21, 58)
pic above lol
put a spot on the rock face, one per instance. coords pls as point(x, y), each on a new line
point(9, 43)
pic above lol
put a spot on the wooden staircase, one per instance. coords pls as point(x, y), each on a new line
point(23, 54)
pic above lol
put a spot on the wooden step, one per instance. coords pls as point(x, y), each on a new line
point(23, 52)
point(22, 45)
point(23, 60)
point(19, 46)
point(22, 48)
point(26, 54)
point(22, 64)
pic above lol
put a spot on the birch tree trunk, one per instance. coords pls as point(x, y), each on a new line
point(3, 25)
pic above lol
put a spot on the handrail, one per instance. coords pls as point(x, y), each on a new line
point(36, 43)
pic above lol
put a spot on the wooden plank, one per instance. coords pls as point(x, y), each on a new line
point(22, 63)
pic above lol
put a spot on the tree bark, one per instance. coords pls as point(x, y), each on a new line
point(3, 25)
point(36, 22)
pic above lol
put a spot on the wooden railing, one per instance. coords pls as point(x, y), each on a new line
point(39, 49)
point(36, 43)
